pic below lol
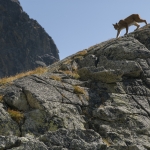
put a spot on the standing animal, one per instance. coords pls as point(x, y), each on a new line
point(133, 19)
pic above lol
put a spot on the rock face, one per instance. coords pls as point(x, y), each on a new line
point(76, 106)
point(24, 44)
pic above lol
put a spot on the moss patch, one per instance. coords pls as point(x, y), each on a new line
point(53, 126)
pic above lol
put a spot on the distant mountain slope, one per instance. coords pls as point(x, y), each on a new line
point(24, 44)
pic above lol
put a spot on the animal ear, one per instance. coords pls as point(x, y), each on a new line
point(113, 24)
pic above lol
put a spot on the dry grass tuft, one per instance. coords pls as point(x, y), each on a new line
point(106, 142)
point(79, 90)
point(55, 77)
point(39, 70)
point(1, 98)
point(68, 61)
point(92, 47)
point(82, 53)
point(16, 115)
point(78, 57)
point(73, 74)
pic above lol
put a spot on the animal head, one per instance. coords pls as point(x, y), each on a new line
point(116, 26)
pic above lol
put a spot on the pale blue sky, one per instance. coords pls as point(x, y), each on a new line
point(75, 25)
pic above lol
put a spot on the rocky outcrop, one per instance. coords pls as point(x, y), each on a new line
point(76, 106)
point(24, 44)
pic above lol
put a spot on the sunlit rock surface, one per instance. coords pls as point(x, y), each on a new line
point(76, 106)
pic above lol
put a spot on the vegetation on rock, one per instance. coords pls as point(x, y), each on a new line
point(1, 98)
point(39, 70)
point(78, 90)
point(16, 115)
point(73, 74)
point(55, 77)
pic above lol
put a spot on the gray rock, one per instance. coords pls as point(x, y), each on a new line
point(7, 125)
point(74, 139)
point(7, 142)
point(105, 108)
point(100, 74)
point(30, 143)
point(16, 98)
point(23, 41)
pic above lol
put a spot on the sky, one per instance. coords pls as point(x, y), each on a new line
point(75, 25)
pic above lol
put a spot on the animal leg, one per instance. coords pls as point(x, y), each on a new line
point(141, 20)
point(118, 33)
point(138, 19)
point(137, 25)
point(126, 29)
